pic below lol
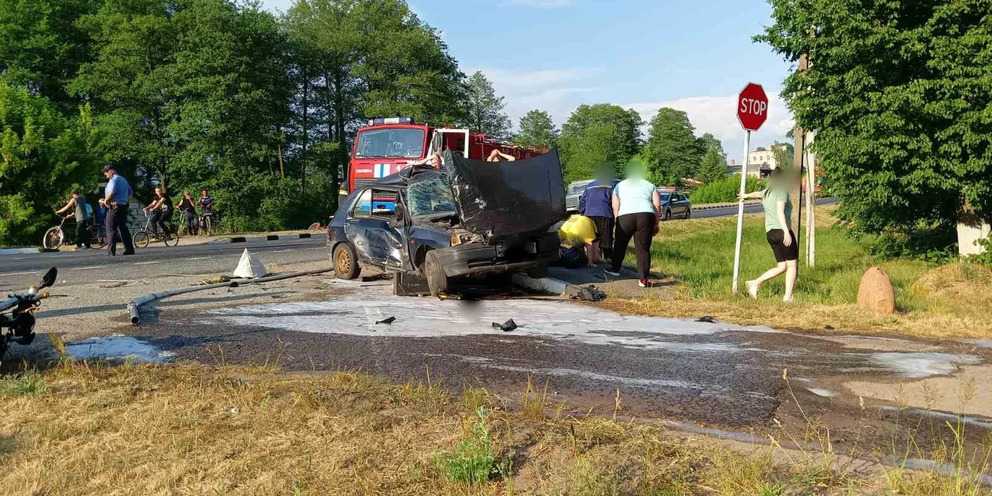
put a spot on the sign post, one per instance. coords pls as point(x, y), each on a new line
point(752, 112)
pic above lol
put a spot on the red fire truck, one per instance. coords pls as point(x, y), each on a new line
point(387, 146)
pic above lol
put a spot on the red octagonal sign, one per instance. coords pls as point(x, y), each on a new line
point(752, 107)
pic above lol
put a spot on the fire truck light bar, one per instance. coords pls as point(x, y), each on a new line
point(391, 120)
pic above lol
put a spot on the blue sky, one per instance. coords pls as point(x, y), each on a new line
point(642, 54)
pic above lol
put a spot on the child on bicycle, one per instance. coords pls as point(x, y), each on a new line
point(161, 211)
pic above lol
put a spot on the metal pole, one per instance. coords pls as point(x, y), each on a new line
point(740, 211)
point(810, 204)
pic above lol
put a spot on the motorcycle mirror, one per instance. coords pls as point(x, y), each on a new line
point(49, 278)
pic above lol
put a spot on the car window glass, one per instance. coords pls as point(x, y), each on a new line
point(376, 204)
point(431, 197)
point(665, 196)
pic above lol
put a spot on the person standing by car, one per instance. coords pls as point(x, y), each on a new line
point(596, 203)
point(777, 206)
point(115, 198)
point(188, 207)
point(78, 203)
point(637, 209)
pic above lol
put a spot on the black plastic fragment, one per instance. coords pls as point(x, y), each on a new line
point(708, 319)
point(507, 326)
point(387, 321)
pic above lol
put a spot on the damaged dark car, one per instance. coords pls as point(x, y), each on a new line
point(432, 228)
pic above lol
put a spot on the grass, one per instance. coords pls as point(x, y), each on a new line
point(150, 429)
point(696, 256)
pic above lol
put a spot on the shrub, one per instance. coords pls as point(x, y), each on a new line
point(724, 190)
point(473, 460)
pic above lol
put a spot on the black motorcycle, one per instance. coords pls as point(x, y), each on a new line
point(17, 313)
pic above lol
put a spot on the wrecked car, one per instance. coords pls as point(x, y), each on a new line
point(474, 218)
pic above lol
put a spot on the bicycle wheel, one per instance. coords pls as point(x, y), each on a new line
point(53, 238)
point(208, 224)
point(141, 239)
point(98, 237)
point(170, 239)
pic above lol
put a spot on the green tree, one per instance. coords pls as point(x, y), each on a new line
point(537, 129)
point(600, 135)
point(43, 155)
point(708, 141)
point(486, 109)
point(42, 47)
point(898, 93)
point(784, 154)
point(672, 151)
point(713, 167)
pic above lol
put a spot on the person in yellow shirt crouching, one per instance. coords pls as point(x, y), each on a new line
point(578, 234)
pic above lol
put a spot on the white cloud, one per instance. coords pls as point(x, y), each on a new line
point(552, 90)
point(717, 115)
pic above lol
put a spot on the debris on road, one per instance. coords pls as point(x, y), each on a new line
point(386, 321)
point(250, 267)
point(585, 293)
point(113, 285)
point(215, 280)
point(707, 318)
point(507, 326)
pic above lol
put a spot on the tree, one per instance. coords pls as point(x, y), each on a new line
point(708, 141)
point(713, 167)
point(784, 154)
point(537, 129)
point(596, 136)
point(43, 155)
point(485, 109)
point(672, 151)
point(898, 95)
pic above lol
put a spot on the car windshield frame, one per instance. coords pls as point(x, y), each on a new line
point(433, 189)
point(412, 139)
point(577, 189)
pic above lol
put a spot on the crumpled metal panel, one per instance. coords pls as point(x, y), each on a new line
point(502, 198)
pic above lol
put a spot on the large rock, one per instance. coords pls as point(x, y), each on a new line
point(876, 293)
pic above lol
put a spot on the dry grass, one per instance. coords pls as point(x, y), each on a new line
point(697, 257)
point(139, 429)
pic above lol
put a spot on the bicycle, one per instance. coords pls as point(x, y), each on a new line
point(55, 236)
point(207, 221)
point(184, 226)
point(146, 234)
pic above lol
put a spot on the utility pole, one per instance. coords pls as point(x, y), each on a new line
point(801, 154)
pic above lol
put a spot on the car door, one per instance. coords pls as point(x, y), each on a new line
point(374, 230)
point(680, 204)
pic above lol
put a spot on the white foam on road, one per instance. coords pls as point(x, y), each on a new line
point(356, 314)
point(117, 348)
point(823, 393)
point(921, 365)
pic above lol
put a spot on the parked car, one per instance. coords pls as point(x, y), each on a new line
point(674, 204)
point(474, 218)
point(574, 193)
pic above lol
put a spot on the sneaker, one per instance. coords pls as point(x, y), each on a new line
point(752, 288)
point(644, 283)
point(610, 272)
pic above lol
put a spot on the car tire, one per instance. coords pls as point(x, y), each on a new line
point(345, 262)
point(437, 281)
point(668, 215)
point(539, 272)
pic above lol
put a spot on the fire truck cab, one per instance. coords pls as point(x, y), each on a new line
point(387, 146)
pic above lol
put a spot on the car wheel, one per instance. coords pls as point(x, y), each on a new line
point(346, 262)
point(668, 214)
point(437, 281)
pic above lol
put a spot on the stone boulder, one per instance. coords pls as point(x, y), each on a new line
point(876, 293)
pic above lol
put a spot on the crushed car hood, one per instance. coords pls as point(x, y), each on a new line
point(501, 198)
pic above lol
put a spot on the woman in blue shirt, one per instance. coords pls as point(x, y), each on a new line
point(637, 210)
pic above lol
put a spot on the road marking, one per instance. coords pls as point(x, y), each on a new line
point(19, 273)
point(198, 258)
point(91, 267)
point(281, 251)
point(147, 263)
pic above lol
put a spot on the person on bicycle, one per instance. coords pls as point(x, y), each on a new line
point(78, 203)
point(161, 209)
point(188, 207)
point(206, 206)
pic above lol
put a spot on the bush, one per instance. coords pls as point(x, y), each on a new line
point(473, 460)
point(725, 190)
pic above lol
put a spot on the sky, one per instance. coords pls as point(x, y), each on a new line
point(554, 55)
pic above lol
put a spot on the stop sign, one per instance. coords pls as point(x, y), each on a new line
point(752, 107)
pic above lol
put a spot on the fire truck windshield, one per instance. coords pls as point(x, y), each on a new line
point(390, 143)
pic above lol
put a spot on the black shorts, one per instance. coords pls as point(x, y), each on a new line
point(776, 238)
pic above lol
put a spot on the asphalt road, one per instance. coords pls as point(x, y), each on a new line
point(752, 208)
